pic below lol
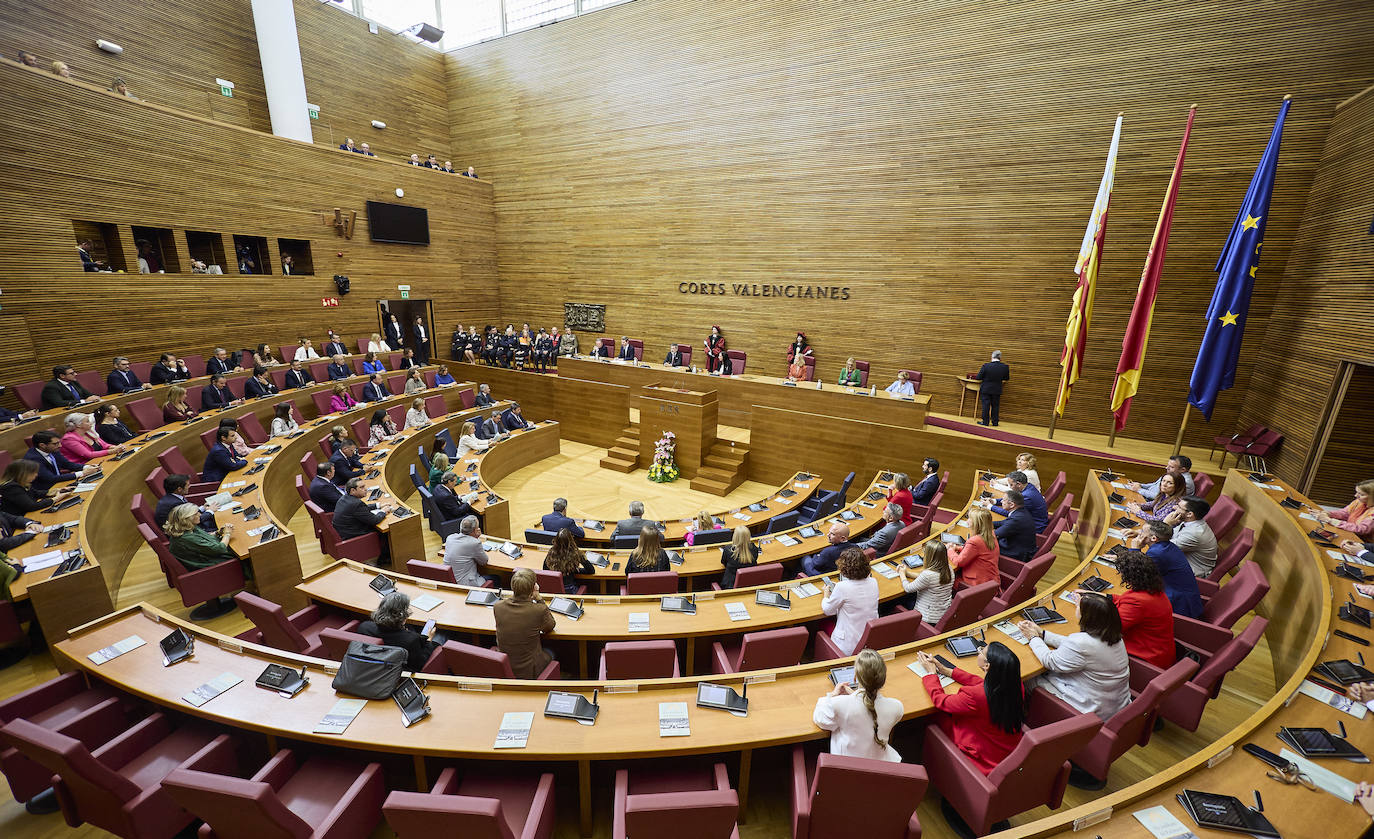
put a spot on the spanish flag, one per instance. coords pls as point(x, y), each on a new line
point(1089, 258)
point(1138, 327)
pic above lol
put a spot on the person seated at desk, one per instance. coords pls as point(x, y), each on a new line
point(513, 420)
point(930, 590)
point(900, 494)
point(298, 376)
point(567, 559)
point(259, 385)
point(443, 378)
point(416, 416)
point(375, 344)
point(347, 464)
point(415, 382)
point(902, 386)
point(601, 349)
point(217, 394)
point(740, 553)
point(674, 357)
point(463, 553)
point(881, 541)
point(1178, 465)
point(1032, 501)
point(221, 460)
point(853, 601)
point(484, 398)
point(177, 408)
point(559, 520)
point(337, 435)
point(53, 466)
point(522, 621)
point(925, 491)
point(372, 365)
point(649, 554)
point(174, 495)
point(438, 465)
point(850, 375)
point(18, 496)
point(64, 391)
point(986, 715)
point(347, 145)
point(828, 559)
point(110, 428)
point(305, 351)
point(9, 419)
point(1194, 535)
point(353, 517)
point(381, 429)
point(634, 524)
point(469, 442)
point(626, 352)
point(194, 546)
point(81, 444)
point(407, 359)
point(237, 445)
point(518, 350)
point(219, 363)
point(1016, 533)
point(15, 530)
point(449, 504)
point(1147, 616)
point(282, 421)
point(1171, 492)
point(337, 369)
point(704, 523)
point(567, 345)
point(1025, 464)
point(796, 369)
point(1089, 669)
point(1356, 517)
point(334, 346)
point(169, 369)
point(860, 720)
point(122, 379)
point(388, 622)
point(1180, 586)
point(491, 429)
point(340, 399)
point(323, 491)
point(543, 351)
point(978, 560)
point(375, 390)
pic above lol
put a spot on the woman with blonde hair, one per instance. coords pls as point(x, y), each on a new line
point(192, 545)
point(340, 399)
point(932, 589)
point(468, 441)
point(851, 375)
point(1025, 463)
point(703, 523)
point(177, 408)
point(648, 555)
point(1357, 516)
point(860, 720)
point(416, 416)
point(438, 465)
point(901, 496)
point(740, 553)
point(376, 344)
point(977, 561)
point(81, 444)
point(338, 435)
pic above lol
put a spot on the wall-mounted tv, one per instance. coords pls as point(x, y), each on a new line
point(398, 223)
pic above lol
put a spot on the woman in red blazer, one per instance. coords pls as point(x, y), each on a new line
point(985, 716)
point(979, 560)
point(1147, 617)
point(901, 496)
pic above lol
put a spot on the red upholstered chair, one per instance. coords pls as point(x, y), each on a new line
point(5, 460)
point(397, 386)
point(319, 371)
point(176, 463)
point(1202, 484)
point(236, 384)
point(737, 360)
point(64, 705)
point(398, 412)
point(862, 367)
point(299, 633)
point(309, 466)
point(295, 412)
point(1045, 542)
point(195, 365)
point(1228, 558)
point(1034, 774)
point(550, 583)
point(278, 377)
point(392, 360)
point(117, 787)
point(1232, 601)
point(879, 633)
point(485, 805)
point(639, 660)
point(434, 406)
point(826, 787)
point(1020, 587)
point(362, 431)
point(288, 352)
point(810, 369)
point(362, 346)
point(682, 802)
point(336, 641)
point(31, 394)
point(145, 412)
point(1131, 726)
point(1223, 517)
point(1243, 438)
point(914, 376)
point(1255, 451)
point(93, 381)
point(459, 659)
point(754, 575)
point(468, 397)
point(142, 369)
point(431, 378)
point(1185, 706)
point(193, 394)
point(208, 437)
point(760, 650)
point(1055, 489)
point(686, 350)
point(358, 365)
point(964, 609)
point(926, 516)
point(651, 582)
point(204, 586)
point(321, 399)
point(322, 798)
point(250, 428)
point(430, 571)
point(637, 344)
point(364, 548)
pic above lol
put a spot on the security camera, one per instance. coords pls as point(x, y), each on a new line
point(376, 123)
point(109, 46)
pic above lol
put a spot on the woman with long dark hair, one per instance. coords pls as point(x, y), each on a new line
point(986, 715)
point(715, 349)
point(1088, 669)
point(566, 558)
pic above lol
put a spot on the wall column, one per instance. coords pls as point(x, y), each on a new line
point(282, 75)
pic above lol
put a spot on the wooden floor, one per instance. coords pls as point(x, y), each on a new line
point(591, 491)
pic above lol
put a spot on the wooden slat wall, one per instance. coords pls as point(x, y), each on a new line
point(1326, 302)
point(175, 49)
point(129, 164)
point(939, 159)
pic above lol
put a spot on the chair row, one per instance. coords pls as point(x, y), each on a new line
point(1255, 444)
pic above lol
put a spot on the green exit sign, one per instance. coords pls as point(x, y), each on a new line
point(226, 88)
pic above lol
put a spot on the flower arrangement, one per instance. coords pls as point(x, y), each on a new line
point(664, 468)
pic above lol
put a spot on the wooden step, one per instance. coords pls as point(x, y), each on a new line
point(624, 453)
point(704, 484)
point(616, 464)
point(624, 442)
point(723, 463)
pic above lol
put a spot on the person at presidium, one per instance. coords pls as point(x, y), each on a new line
point(990, 378)
point(850, 374)
point(715, 349)
point(902, 386)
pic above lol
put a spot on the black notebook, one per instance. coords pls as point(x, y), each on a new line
point(1225, 812)
point(177, 646)
point(282, 679)
point(70, 502)
point(1116, 498)
point(244, 490)
point(58, 536)
point(256, 469)
point(1291, 503)
point(1125, 522)
point(1355, 614)
point(1042, 615)
point(252, 512)
point(1320, 743)
point(412, 701)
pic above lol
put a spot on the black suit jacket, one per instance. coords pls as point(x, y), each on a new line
point(393, 335)
point(254, 388)
point(375, 391)
point(352, 517)
point(1016, 535)
point(213, 397)
point(47, 476)
point(483, 400)
point(925, 490)
point(19, 501)
point(674, 358)
point(333, 348)
point(162, 376)
point(991, 376)
point(214, 365)
point(299, 378)
point(449, 505)
point(338, 371)
point(119, 381)
point(626, 352)
point(345, 468)
point(325, 493)
point(58, 394)
point(220, 462)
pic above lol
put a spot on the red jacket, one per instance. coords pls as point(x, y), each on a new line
point(976, 563)
point(902, 498)
point(967, 722)
point(1147, 626)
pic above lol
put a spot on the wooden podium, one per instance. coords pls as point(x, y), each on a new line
point(689, 414)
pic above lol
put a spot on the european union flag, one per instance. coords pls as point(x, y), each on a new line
point(1215, 369)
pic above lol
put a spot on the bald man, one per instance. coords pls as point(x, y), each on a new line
point(824, 562)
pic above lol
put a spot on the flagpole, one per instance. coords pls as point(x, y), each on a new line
point(1054, 417)
point(1111, 438)
point(1178, 443)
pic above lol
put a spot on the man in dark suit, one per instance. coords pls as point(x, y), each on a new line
point(827, 560)
point(220, 363)
point(347, 145)
point(375, 389)
point(52, 466)
point(259, 384)
point(512, 420)
point(64, 391)
point(990, 377)
point(558, 519)
point(88, 262)
point(635, 523)
point(421, 335)
point(1016, 533)
point(449, 504)
point(298, 376)
point(353, 517)
point(602, 349)
point(337, 369)
point(175, 495)
point(489, 428)
point(674, 358)
point(323, 491)
point(627, 352)
point(122, 378)
point(334, 346)
point(217, 394)
point(926, 489)
point(169, 369)
point(1363, 550)
point(347, 464)
point(1031, 499)
point(484, 398)
point(220, 461)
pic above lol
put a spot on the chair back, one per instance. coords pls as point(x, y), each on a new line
point(550, 583)
point(336, 641)
point(295, 412)
point(362, 346)
point(1237, 597)
point(98, 793)
point(1133, 725)
point(890, 630)
point(1263, 446)
point(827, 503)
point(362, 431)
point(415, 477)
point(1052, 492)
point(469, 660)
point(250, 427)
point(810, 363)
point(637, 344)
point(270, 620)
point(418, 815)
point(278, 377)
point(175, 463)
point(444, 436)
point(207, 437)
point(430, 571)
point(301, 489)
point(684, 814)
point(468, 397)
point(319, 371)
point(434, 404)
point(906, 537)
point(967, 605)
point(145, 412)
point(639, 660)
point(862, 367)
point(1231, 555)
point(913, 376)
point(236, 385)
point(1036, 771)
point(397, 386)
point(1046, 541)
point(844, 488)
point(142, 512)
point(772, 648)
point(154, 481)
point(710, 537)
point(686, 350)
point(92, 381)
point(1232, 653)
point(172, 569)
point(1022, 588)
point(431, 378)
point(652, 582)
point(737, 360)
point(536, 536)
point(628, 541)
point(890, 792)
point(31, 394)
point(1223, 517)
point(1061, 513)
point(758, 575)
point(393, 360)
point(356, 389)
point(321, 399)
point(195, 365)
point(1202, 484)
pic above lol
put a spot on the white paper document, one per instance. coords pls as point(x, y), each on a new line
point(639, 622)
point(1162, 824)
point(672, 720)
point(47, 559)
point(337, 719)
point(514, 732)
point(116, 649)
point(425, 602)
point(737, 611)
point(211, 689)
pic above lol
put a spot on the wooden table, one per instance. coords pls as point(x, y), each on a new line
point(970, 385)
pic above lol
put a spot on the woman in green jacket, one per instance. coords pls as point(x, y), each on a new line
point(193, 546)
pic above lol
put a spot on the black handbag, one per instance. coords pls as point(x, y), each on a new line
point(371, 671)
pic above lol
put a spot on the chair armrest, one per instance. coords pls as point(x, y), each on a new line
point(1142, 673)
point(801, 794)
point(622, 788)
point(93, 726)
point(719, 659)
point(946, 762)
point(540, 821)
point(361, 802)
point(825, 649)
point(716, 587)
point(435, 663)
point(624, 590)
point(925, 630)
point(448, 784)
point(870, 554)
point(219, 756)
point(553, 671)
point(42, 697)
point(139, 738)
point(306, 617)
point(913, 827)
point(1200, 635)
point(277, 771)
point(1207, 588)
point(1046, 708)
point(722, 777)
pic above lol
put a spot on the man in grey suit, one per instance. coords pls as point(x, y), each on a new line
point(881, 542)
point(635, 523)
point(463, 553)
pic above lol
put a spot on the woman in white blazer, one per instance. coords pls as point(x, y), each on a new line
point(859, 719)
point(853, 600)
point(1089, 669)
point(468, 441)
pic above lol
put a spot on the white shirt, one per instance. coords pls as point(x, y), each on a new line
point(932, 598)
point(471, 443)
point(1084, 672)
point(854, 603)
point(416, 418)
point(902, 388)
point(1032, 477)
point(281, 427)
point(851, 726)
point(306, 354)
point(422, 333)
point(376, 346)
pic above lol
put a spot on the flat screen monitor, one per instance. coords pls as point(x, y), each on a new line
point(398, 223)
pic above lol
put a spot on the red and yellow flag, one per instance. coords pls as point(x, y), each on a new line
point(1137, 336)
point(1089, 258)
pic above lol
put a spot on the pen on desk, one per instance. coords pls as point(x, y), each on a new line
point(1341, 726)
point(1360, 656)
point(1259, 803)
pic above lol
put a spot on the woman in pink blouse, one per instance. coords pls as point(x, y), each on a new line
point(341, 400)
point(80, 444)
point(1172, 489)
point(1357, 516)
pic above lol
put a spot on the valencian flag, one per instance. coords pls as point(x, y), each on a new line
point(1215, 369)
point(1138, 327)
point(1089, 258)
